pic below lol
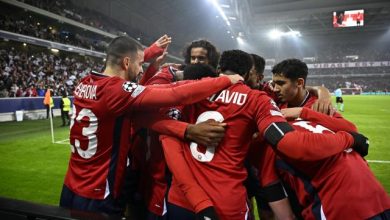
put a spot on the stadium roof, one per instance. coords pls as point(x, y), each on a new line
point(250, 19)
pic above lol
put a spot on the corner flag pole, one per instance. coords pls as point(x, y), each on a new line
point(51, 124)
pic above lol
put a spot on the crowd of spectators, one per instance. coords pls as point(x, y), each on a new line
point(365, 84)
point(48, 29)
point(98, 20)
point(26, 73)
point(319, 52)
point(29, 74)
point(351, 71)
point(332, 52)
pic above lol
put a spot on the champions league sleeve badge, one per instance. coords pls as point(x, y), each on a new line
point(133, 88)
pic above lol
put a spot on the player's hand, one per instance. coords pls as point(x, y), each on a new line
point(163, 41)
point(324, 106)
point(160, 59)
point(291, 113)
point(360, 144)
point(233, 78)
point(208, 213)
point(209, 133)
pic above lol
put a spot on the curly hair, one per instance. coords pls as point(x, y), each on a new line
point(212, 53)
point(236, 61)
point(291, 69)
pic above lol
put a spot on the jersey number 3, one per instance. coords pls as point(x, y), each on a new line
point(209, 154)
point(85, 116)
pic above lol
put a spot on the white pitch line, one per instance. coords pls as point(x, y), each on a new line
point(65, 141)
point(378, 161)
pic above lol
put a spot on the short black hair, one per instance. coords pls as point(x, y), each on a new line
point(212, 53)
point(120, 47)
point(236, 61)
point(291, 69)
point(198, 71)
point(259, 63)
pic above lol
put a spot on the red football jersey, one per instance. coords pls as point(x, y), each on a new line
point(153, 181)
point(338, 187)
point(101, 124)
point(220, 171)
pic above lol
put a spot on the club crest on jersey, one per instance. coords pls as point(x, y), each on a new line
point(133, 88)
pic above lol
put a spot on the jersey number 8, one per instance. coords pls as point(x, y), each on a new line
point(209, 154)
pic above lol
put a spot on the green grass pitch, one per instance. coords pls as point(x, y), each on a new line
point(33, 169)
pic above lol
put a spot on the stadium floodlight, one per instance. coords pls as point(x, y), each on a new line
point(24, 44)
point(294, 33)
point(275, 34)
point(216, 5)
point(240, 40)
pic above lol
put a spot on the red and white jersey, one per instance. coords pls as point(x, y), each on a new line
point(220, 171)
point(332, 188)
point(100, 127)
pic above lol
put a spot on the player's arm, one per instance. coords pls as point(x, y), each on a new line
point(183, 94)
point(208, 133)
point(124, 96)
point(304, 145)
point(270, 183)
point(282, 209)
point(152, 70)
point(173, 152)
point(165, 76)
point(157, 48)
point(324, 102)
point(334, 123)
point(148, 74)
point(298, 145)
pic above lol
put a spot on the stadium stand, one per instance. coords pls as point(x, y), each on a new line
point(95, 19)
point(28, 70)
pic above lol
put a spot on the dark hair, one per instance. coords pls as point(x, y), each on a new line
point(120, 47)
point(236, 61)
point(259, 63)
point(212, 53)
point(291, 69)
point(198, 71)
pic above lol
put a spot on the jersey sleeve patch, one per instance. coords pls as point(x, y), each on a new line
point(133, 88)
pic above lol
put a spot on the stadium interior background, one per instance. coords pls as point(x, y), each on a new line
point(57, 42)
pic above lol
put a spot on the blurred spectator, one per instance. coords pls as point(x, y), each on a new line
point(27, 74)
